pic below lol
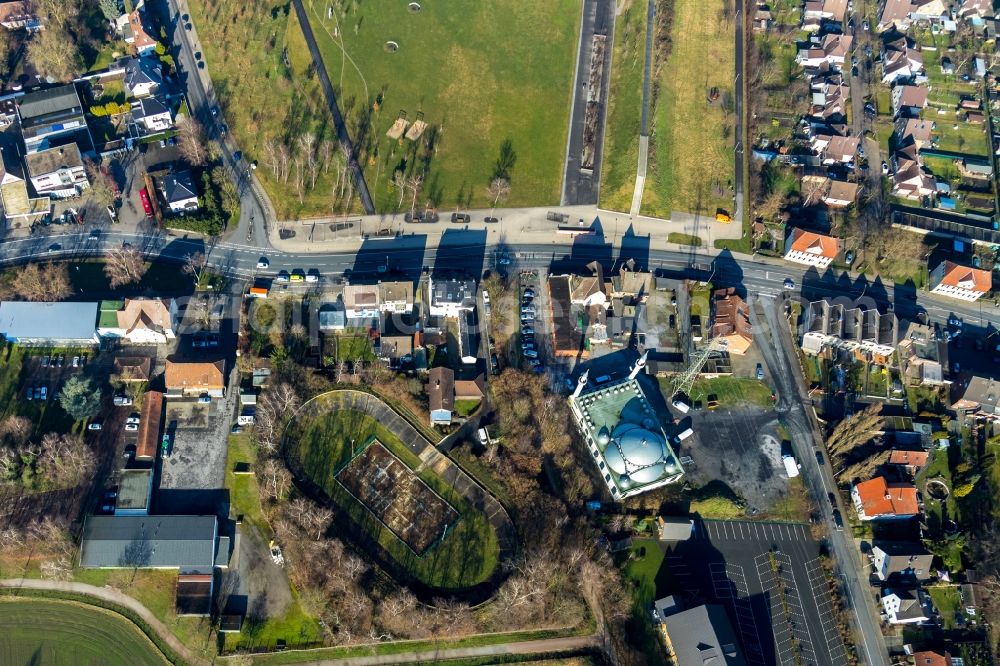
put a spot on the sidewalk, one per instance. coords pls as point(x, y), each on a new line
point(516, 226)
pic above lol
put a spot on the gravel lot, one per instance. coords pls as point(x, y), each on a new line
point(198, 460)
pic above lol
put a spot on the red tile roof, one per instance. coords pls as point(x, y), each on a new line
point(914, 458)
point(813, 243)
point(879, 498)
point(929, 658)
point(974, 279)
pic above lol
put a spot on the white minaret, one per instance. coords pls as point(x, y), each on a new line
point(581, 383)
point(639, 365)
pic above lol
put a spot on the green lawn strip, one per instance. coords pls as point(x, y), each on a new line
point(476, 88)
point(466, 556)
point(296, 627)
point(691, 161)
point(793, 505)
point(683, 239)
point(733, 391)
point(624, 115)
point(354, 348)
point(741, 245)
point(244, 497)
point(478, 470)
point(466, 407)
point(63, 627)
point(399, 647)
point(948, 601)
point(643, 567)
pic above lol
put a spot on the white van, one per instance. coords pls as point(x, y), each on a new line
point(684, 435)
point(681, 406)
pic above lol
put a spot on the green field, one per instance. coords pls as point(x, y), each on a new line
point(59, 632)
point(321, 444)
point(691, 164)
point(481, 73)
point(262, 74)
point(624, 120)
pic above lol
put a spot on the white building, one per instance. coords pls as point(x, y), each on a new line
point(179, 192)
point(58, 172)
point(152, 115)
point(143, 76)
point(450, 298)
point(141, 321)
point(361, 301)
point(395, 297)
point(904, 606)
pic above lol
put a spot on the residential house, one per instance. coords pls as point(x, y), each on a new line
point(909, 180)
point(762, 19)
point(332, 317)
point(974, 394)
point(895, 13)
point(139, 320)
point(179, 191)
point(702, 635)
point(630, 284)
point(395, 297)
point(361, 301)
point(588, 290)
point(450, 297)
point(136, 34)
point(931, 11)
point(58, 172)
point(842, 149)
point(192, 379)
point(19, 14)
point(731, 321)
point(911, 462)
point(810, 248)
point(900, 61)
point(468, 337)
point(129, 369)
point(863, 333)
point(441, 395)
point(898, 561)
point(143, 76)
point(877, 499)
point(49, 324)
point(961, 282)
point(908, 101)
point(840, 194)
point(914, 130)
point(830, 96)
point(822, 133)
point(976, 9)
point(395, 347)
point(832, 49)
point(50, 114)
point(833, 10)
point(923, 354)
point(152, 115)
point(928, 658)
point(470, 389)
point(903, 606)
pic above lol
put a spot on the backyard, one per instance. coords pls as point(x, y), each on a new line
point(43, 631)
point(691, 143)
point(490, 106)
point(323, 442)
point(624, 119)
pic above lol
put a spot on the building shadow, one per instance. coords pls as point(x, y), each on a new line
point(462, 252)
point(398, 258)
point(191, 502)
point(728, 273)
point(634, 248)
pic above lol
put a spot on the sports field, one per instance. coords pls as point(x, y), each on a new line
point(691, 161)
point(55, 633)
point(320, 444)
point(477, 73)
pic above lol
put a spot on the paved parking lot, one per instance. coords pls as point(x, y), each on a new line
point(198, 457)
point(767, 575)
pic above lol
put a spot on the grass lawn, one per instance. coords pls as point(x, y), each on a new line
point(322, 444)
point(793, 505)
point(255, 51)
point(480, 73)
point(296, 624)
point(733, 391)
point(691, 164)
point(45, 631)
point(354, 348)
point(643, 566)
point(243, 495)
point(466, 407)
point(947, 600)
point(683, 239)
point(624, 117)
point(718, 508)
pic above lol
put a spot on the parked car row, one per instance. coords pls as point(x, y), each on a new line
point(297, 275)
point(58, 360)
point(528, 348)
point(36, 393)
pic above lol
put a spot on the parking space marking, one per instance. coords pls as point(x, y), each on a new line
point(824, 606)
point(730, 585)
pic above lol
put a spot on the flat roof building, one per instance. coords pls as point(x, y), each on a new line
point(48, 114)
point(149, 542)
point(135, 490)
point(50, 324)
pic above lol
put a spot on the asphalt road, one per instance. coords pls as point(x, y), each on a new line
point(580, 188)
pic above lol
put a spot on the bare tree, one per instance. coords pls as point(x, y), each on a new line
point(191, 141)
point(299, 184)
point(64, 460)
point(124, 265)
point(194, 265)
point(307, 144)
point(499, 190)
point(414, 183)
point(275, 480)
point(399, 182)
point(284, 155)
point(271, 156)
point(274, 407)
point(325, 154)
point(47, 282)
point(102, 186)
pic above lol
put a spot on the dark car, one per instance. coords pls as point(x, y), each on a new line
point(833, 499)
point(129, 452)
point(185, 18)
point(197, 55)
point(819, 457)
point(461, 218)
point(494, 364)
point(491, 220)
point(838, 520)
point(201, 64)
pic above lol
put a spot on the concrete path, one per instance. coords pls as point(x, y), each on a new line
point(640, 176)
point(113, 596)
point(545, 646)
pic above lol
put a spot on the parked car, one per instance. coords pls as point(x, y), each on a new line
point(205, 398)
point(460, 218)
point(45, 361)
point(129, 452)
point(62, 359)
point(491, 220)
point(530, 353)
point(29, 394)
point(838, 520)
point(43, 393)
point(866, 26)
point(849, 257)
point(282, 276)
point(529, 293)
point(121, 401)
point(527, 330)
point(760, 373)
point(298, 275)
point(76, 361)
point(312, 275)
point(134, 418)
point(789, 283)
point(94, 425)
point(819, 457)
point(131, 427)
point(263, 262)
point(107, 509)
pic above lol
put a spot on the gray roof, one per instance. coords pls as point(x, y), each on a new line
point(676, 529)
point(139, 71)
point(54, 100)
point(182, 542)
point(134, 489)
point(53, 159)
point(462, 292)
point(148, 106)
point(222, 552)
point(48, 321)
point(178, 187)
point(703, 635)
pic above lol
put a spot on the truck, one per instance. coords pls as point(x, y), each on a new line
point(723, 217)
point(791, 467)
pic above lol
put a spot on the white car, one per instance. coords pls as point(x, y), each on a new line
point(131, 427)
point(132, 420)
point(312, 276)
point(263, 262)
